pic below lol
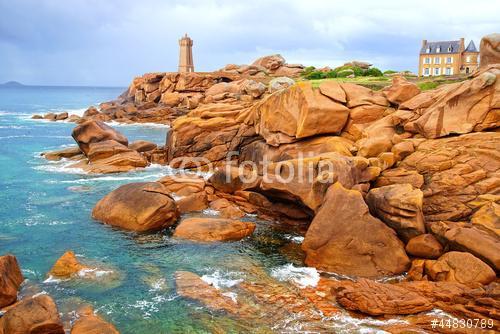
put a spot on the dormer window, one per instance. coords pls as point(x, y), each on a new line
point(438, 49)
point(428, 50)
point(449, 48)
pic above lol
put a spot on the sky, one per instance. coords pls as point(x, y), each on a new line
point(108, 42)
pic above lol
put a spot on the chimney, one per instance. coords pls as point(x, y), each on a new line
point(424, 43)
point(462, 44)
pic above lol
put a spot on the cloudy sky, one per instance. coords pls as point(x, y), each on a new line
point(106, 43)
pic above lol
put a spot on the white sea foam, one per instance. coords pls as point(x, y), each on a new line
point(301, 276)
point(295, 238)
point(158, 285)
point(210, 212)
point(13, 127)
point(52, 279)
point(148, 125)
point(219, 280)
point(94, 272)
point(62, 166)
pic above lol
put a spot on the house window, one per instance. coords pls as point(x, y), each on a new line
point(428, 50)
point(438, 49)
point(427, 60)
point(436, 71)
point(449, 60)
point(449, 48)
point(467, 59)
point(437, 60)
point(448, 71)
point(426, 71)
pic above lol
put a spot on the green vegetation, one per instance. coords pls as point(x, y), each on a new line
point(390, 72)
point(375, 83)
point(311, 73)
point(428, 85)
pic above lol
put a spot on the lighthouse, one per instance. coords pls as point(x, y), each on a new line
point(186, 54)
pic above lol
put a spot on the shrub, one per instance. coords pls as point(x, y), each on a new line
point(344, 73)
point(331, 74)
point(358, 71)
point(373, 72)
point(390, 72)
point(428, 85)
point(308, 69)
point(314, 75)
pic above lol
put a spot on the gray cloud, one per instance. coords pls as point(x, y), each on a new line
point(90, 42)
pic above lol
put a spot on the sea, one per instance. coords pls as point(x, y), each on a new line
point(45, 210)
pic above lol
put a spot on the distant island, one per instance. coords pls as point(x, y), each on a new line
point(11, 84)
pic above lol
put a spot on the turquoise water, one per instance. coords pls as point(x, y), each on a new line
point(45, 210)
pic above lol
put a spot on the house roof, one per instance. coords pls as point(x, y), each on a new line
point(471, 47)
point(444, 45)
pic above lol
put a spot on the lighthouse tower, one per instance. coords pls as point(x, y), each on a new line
point(186, 54)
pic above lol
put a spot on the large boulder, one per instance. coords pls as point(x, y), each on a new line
point(400, 207)
point(37, 315)
point(344, 238)
point(488, 217)
point(143, 206)
point(90, 323)
point(424, 246)
point(470, 107)
point(297, 112)
point(401, 90)
point(213, 229)
point(10, 279)
point(271, 63)
point(93, 132)
point(306, 179)
point(459, 267)
point(489, 50)
point(109, 156)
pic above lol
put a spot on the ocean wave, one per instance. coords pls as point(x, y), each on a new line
point(158, 285)
point(13, 127)
point(301, 276)
point(151, 306)
point(219, 280)
point(62, 166)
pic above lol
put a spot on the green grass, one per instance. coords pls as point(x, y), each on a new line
point(375, 83)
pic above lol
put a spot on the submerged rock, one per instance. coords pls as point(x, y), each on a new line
point(213, 229)
point(37, 315)
point(66, 266)
point(143, 206)
point(344, 238)
point(10, 279)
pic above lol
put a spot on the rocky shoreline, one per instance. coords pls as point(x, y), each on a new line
point(398, 191)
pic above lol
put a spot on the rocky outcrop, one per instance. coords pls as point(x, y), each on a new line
point(297, 112)
point(10, 279)
point(470, 106)
point(489, 50)
point(90, 323)
point(280, 83)
point(67, 153)
point(374, 298)
point(138, 207)
point(459, 267)
point(213, 229)
point(467, 237)
point(37, 315)
point(453, 173)
point(400, 207)
point(95, 131)
point(344, 238)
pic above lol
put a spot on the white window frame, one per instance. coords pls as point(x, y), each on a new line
point(467, 59)
point(448, 71)
point(437, 71)
point(438, 49)
point(437, 60)
point(428, 50)
point(426, 71)
point(427, 60)
point(449, 60)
